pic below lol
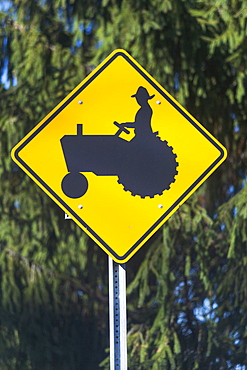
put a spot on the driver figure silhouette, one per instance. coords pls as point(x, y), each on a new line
point(142, 123)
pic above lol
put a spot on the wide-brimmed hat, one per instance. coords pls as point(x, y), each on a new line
point(142, 93)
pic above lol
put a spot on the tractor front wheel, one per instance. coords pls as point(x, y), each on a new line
point(74, 185)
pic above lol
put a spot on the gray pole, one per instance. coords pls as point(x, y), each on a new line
point(117, 316)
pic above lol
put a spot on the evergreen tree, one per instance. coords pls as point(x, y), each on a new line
point(53, 281)
point(187, 285)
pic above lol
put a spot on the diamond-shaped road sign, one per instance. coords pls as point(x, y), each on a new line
point(119, 155)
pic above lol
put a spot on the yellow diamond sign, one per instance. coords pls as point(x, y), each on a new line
point(119, 155)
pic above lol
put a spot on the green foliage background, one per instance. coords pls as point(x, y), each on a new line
point(187, 295)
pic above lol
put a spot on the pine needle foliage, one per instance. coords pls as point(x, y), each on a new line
point(187, 286)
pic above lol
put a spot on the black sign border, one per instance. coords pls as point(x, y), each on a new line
point(68, 101)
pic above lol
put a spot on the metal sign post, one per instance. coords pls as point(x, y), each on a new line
point(117, 315)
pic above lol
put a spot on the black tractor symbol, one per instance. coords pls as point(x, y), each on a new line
point(145, 165)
